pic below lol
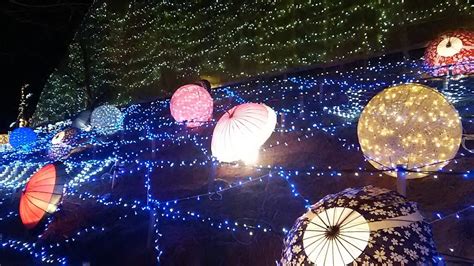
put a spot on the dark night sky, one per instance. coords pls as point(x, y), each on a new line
point(34, 38)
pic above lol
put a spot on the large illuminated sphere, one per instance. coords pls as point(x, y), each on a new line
point(409, 125)
point(241, 131)
point(22, 137)
point(191, 104)
point(107, 119)
point(451, 51)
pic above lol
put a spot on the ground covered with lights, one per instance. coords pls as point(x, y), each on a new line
point(147, 194)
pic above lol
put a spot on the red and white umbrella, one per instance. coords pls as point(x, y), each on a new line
point(42, 194)
point(451, 51)
point(241, 131)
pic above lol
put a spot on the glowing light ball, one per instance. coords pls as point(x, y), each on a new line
point(191, 104)
point(241, 131)
point(410, 125)
point(451, 51)
point(107, 119)
point(67, 137)
point(22, 137)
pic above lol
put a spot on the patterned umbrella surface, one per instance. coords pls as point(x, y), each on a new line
point(66, 136)
point(451, 51)
point(363, 226)
point(42, 194)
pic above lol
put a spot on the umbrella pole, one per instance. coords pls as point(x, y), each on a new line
point(282, 123)
point(301, 107)
point(113, 181)
point(114, 173)
point(401, 180)
point(446, 80)
point(212, 178)
point(153, 149)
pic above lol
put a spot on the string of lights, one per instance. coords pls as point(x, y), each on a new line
point(146, 146)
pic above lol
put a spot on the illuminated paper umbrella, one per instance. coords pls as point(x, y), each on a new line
point(451, 51)
point(82, 120)
point(191, 104)
point(66, 137)
point(42, 194)
point(364, 226)
point(409, 125)
point(241, 131)
point(107, 119)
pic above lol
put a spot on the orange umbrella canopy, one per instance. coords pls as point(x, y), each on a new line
point(41, 195)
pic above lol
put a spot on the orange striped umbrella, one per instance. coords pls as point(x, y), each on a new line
point(42, 194)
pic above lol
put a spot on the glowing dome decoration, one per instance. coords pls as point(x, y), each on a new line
point(241, 131)
point(191, 104)
point(107, 119)
point(22, 137)
point(66, 137)
point(410, 125)
point(451, 51)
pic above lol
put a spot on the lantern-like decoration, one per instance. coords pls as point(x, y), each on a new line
point(66, 137)
point(452, 51)
point(4, 139)
point(361, 226)
point(412, 126)
point(42, 194)
point(22, 137)
point(107, 119)
point(191, 104)
point(241, 131)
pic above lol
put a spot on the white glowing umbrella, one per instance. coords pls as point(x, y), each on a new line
point(241, 131)
point(341, 232)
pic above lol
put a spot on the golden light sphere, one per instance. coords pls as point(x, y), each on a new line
point(411, 125)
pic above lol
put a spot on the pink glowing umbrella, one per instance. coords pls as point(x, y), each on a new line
point(191, 104)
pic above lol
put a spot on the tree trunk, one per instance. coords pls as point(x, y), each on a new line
point(89, 100)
